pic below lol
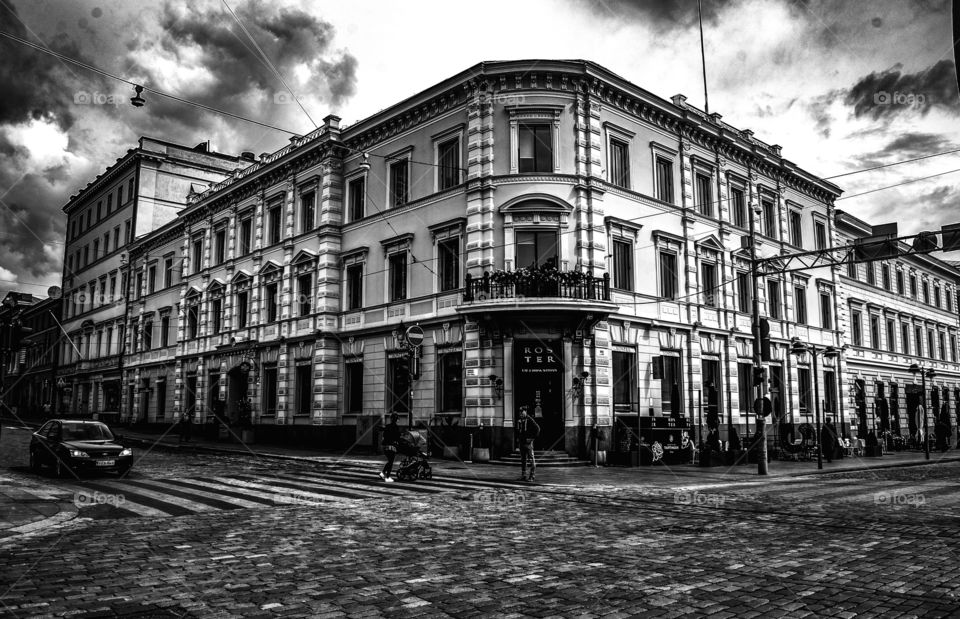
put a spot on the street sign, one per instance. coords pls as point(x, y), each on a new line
point(61, 383)
point(414, 335)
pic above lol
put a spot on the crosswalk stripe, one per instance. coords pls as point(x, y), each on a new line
point(137, 501)
point(128, 506)
point(199, 485)
point(265, 496)
point(324, 489)
point(198, 497)
point(242, 483)
point(370, 490)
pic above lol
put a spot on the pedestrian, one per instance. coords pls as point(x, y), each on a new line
point(391, 437)
point(46, 411)
point(186, 427)
point(828, 440)
point(526, 432)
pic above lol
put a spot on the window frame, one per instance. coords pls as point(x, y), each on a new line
point(443, 173)
point(856, 327)
point(800, 304)
point(394, 200)
point(622, 264)
point(796, 228)
point(674, 288)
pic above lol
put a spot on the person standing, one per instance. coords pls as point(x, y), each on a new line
point(186, 426)
point(526, 431)
point(828, 440)
point(391, 437)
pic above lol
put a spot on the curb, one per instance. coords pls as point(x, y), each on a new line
point(68, 511)
point(142, 442)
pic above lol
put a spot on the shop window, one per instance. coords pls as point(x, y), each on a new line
point(451, 382)
point(625, 374)
point(354, 388)
point(671, 386)
point(398, 386)
point(304, 389)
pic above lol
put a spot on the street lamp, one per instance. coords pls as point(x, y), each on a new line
point(924, 372)
point(801, 349)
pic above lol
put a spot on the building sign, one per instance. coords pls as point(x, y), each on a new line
point(537, 358)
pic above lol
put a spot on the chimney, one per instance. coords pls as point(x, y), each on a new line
point(331, 122)
point(715, 118)
point(248, 155)
point(679, 100)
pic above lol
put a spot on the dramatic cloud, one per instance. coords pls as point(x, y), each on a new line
point(892, 92)
point(672, 14)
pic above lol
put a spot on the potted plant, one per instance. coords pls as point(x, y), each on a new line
point(479, 452)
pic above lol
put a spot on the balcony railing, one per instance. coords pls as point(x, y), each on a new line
point(559, 285)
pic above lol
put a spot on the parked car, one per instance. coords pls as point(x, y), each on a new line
point(72, 445)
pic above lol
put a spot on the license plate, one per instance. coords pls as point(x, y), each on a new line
point(104, 462)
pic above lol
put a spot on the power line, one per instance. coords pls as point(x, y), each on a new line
point(887, 165)
point(913, 180)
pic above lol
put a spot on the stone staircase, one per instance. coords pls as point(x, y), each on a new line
point(551, 459)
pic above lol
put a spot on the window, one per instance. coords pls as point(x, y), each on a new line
point(99, 207)
point(398, 276)
point(830, 392)
point(535, 148)
point(127, 232)
point(307, 212)
point(769, 218)
point(196, 256)
point(826, 311)
point(148, 335)
point(931, 351)
point(119, 195)
point(620, 163)
point(167, 272)
point(738, 206)
point(664, 179)
point(246, 235)
point(704, 196)
point(448, 262)
point(796, 232)
point(709, 284)
point(871, 274)
point(936, 295)
point(130, 190)
point(953, 349)
point(820, 234)
point(774, 309)
point(875, 332)
point(116, 238)
point(304, 389)
point(451, 382)
point(220, 246)
point(926, 292)
point(270, 391)
point(622, 264)
point(243, 309)
point(537, 249)
point(448, 164)
point(913, 285)
point(354, 286)
point(109, 206)
point(353, 391)
point(216, 315)
point(899, 282)
point(669, 282)
point(624, 382)
point(356, 192)
point(272, 301)
point(905, 338)
point(86, 255)
point(164, 332)
point(800, 303)
point(949, 296)
point(274, 222)
point(745, 387)
point(803, 388)
point(744, 292)
point(305, 293)
point(106, 243)
point(96, 249)
point(193, 321)
point(891, 336)
point(399, 183)
point(671, 385)
point(918, 337)
point(139, 291)
point(161, 398)
point(152, 279)
point(885, 276)
point(113, 289)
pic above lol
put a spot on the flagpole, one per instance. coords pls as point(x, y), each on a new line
point(703, 60)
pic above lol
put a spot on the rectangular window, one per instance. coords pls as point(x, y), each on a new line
point(913, 286)
point(620, 163)
point(669, 282)
point(109, 205)
point(272, 302)
point(931, 351)
point(885, 275)
point(275, 223)
point(943, 346)
point(671, 386)
point(710, 285)
point(826, 310)
point(246, 235)
point(624, 382)
point(953, 350)
point(704, 195)
point(803, 389)
point(354, 286)
point(152, 279)
point(936, 296)
point(774, 305)
point(949, 298)
point(307, 212)
point(216, 315)
point(769, 218)
point(96, 249)
point(796, 231)
point(398, 276)
point(119, 195)
point(537, 249)
point(448, 164)
point(830, 392)
point(148, 335)
point(139, 291)
point(745, 387)
point(116, 238)
point(220, 246)
point(820, 234)
point(196, 256)
point(451, 382)
point(891, 336)
point(900, 289)
point(744, 292)
point(164, 331)
point(130, 190)
point(353, 391)
point(905, 338)
point(243, 310)
point(738, 206)
point(106, 243)
point(127, 232)
point(193, 321)
point(871, 273)
point(926, 293)
point(357, 195)
point(270, 391)
point(535, 148)
point(875, 332)
point(161, 399)
point(800, 304)
point(167, 272)
point(665, 179)
point(304, 389)
point(305, 293)
point(448, 262)
point(918, 337)
point(622, 264)
point(399, 183)
point(86, 255)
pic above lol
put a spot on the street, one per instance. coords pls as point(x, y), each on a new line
point(208, 535)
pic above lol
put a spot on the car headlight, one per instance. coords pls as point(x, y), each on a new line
point(126, 452)
point(76, 453)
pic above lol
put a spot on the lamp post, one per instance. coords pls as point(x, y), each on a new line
point(924, 372)
point(755, 330)
point(801, 349)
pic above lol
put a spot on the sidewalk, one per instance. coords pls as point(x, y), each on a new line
point(24, 509)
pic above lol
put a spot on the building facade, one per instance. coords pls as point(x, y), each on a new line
point(29, 373)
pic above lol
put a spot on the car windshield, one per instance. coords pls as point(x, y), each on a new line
point(86, 432)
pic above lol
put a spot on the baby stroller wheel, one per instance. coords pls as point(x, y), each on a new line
point(426, 473)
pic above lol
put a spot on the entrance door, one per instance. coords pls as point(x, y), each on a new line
point(538, 383)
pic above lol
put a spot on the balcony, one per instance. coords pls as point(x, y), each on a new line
point(545, 290)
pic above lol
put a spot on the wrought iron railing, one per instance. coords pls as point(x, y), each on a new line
point(585, 287)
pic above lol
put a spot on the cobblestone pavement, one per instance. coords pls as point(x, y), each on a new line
point(241, 537)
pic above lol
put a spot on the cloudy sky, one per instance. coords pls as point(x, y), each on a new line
point(842, 86)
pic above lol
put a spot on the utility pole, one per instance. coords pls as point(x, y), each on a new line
point(755, 310)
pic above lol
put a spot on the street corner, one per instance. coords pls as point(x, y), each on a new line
point(21, 520)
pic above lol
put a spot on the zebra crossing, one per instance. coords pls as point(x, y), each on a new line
point(166, 497)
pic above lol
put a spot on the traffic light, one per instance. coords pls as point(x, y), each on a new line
point(764, 339)
point(759, 375)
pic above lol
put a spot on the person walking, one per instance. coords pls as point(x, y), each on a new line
point(391, 436)
point(186, 426)
point(828, 440)
point(526, 431)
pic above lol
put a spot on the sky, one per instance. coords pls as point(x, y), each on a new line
point(841, 86)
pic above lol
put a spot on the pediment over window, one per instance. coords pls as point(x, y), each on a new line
point(270, 268)
point(215, 286)
point(711, 243)
point(193, 294)
point(536, 203)
point(304, 256)
point(241, 277)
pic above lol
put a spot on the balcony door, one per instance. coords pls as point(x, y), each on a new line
point(538, 249)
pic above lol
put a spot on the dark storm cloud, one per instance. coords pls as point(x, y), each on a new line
point(670, 14)
point(907, 146)
point(891, 92)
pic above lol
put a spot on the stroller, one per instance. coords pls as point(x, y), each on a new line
point(412, 447)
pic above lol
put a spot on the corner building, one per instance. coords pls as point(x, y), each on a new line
point(564, 238)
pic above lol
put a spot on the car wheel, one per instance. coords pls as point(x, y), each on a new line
point(34, 461)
